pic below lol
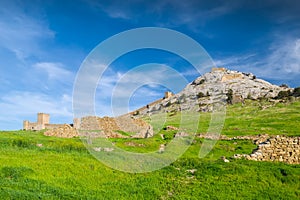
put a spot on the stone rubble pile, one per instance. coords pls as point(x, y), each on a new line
point(109, 127)
point(270, 148)
point(276, 148)
point(65, 131)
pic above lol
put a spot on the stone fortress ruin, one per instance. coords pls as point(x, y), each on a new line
point(43, 122)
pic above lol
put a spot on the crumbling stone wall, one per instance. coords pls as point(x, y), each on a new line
point(109, 126)
point(276, 148)
point(279, 148)
point(270, 148)
point(64, 131)
point(227, 77)
point(222, 69)
point(89, 123)
point(43, 122)
point(52, 126)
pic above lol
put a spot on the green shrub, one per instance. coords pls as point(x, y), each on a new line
point(229, 95)
point(200, 95)
point(15, 172)
point(249, 96)
point(283, 94)
point(296, 92)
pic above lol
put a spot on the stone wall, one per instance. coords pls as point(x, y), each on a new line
point(64, 131)
point(43, 122)
point(222, 69)
point(89, 123)
point(52, 126)
point(276, 148)
point(228, 77)
point(279, 148)
point(270, 148)
point(109, 127)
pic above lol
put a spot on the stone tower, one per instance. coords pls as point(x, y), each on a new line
point(26, 125)
point(43, 118)
point(168, 94)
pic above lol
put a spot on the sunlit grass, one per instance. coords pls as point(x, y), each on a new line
point(34, 166)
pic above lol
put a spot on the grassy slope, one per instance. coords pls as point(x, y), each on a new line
point(250, 119)
point(63, 169)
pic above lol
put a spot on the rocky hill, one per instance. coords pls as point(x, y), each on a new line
point(219, 85)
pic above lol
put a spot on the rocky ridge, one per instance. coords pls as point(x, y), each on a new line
point(212, 88)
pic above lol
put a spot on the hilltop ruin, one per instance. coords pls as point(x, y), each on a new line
point(43, 122)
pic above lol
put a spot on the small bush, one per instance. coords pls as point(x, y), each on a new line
point(249, 96)
point(22, 143)
point(168, 104)
point(15, 172)
point(283, 94)
point(284, 85)
point(200, 95)
point(229, 95)
point(296, 92)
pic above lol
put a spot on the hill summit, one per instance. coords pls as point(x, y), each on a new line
point(218, 85)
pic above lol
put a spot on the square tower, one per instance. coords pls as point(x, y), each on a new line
point(43, 118)
point(168, 94)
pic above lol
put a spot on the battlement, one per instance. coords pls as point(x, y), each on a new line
point(222, 69)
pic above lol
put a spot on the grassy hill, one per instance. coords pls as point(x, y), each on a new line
point(34, 166)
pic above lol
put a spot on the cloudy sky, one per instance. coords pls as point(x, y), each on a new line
point(43, 43)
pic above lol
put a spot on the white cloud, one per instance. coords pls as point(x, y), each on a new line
point(55, 71)
point(281, 63)
point(285, 56)
point(21, 33)
point(141, 84)
point(169, 13)
point(236, 60)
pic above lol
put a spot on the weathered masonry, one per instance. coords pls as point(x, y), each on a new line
point(43, 122)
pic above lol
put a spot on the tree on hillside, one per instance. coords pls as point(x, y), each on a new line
point(229, 95)
point(296, 92)
point(200, 95)
point(283, 94)
point(284, 85)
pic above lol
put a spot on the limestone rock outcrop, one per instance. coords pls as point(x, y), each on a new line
point(211, 88)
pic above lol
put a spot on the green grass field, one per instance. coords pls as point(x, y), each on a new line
point(64, 169)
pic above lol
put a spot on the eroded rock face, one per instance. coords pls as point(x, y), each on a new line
point(111, 127)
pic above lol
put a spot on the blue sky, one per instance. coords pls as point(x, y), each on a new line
point(43, 43)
